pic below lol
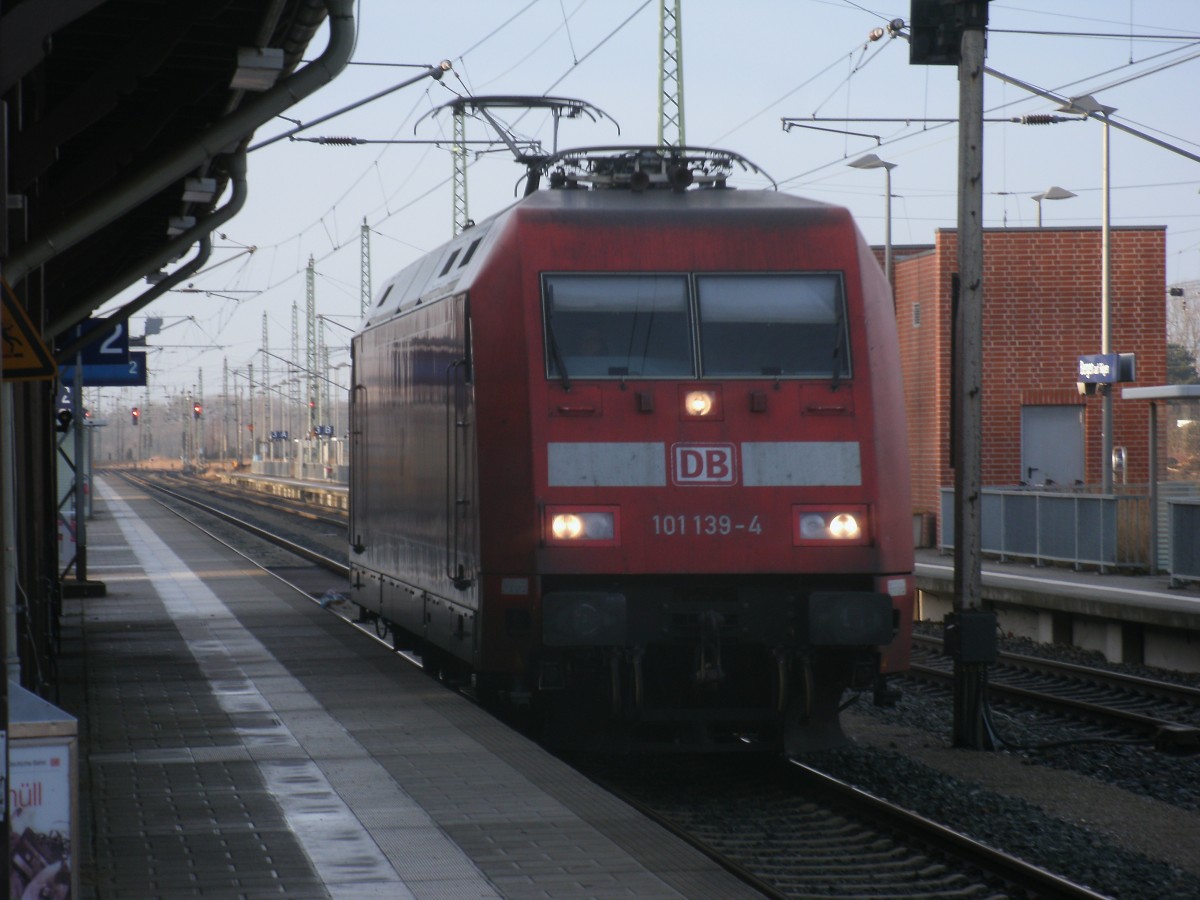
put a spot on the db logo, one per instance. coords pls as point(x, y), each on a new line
point(704, 464)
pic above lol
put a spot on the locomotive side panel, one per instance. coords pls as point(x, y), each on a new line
point(509, 622)
point(414, 541)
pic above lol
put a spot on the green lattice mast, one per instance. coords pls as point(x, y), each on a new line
point(460, 169)
point(670, 75)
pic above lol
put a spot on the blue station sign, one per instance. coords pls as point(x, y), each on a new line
point(130, 373)
point(109, 345)
point(1099, 368)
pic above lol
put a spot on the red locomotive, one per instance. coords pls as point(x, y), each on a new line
point(633, 450)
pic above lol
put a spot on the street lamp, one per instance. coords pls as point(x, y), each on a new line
point(871, 161)
point(1087, 105)
point(1051, 193)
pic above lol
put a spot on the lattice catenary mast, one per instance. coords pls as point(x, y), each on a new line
point(461, 219)
point(266, 377)
point(311, 356)
point(364, 269)
point(294, 386)
point(670, 75)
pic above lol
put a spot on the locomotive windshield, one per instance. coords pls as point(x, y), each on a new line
point(618, 326)
point(782, 325)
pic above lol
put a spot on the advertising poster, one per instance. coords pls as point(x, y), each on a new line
point(39, 802)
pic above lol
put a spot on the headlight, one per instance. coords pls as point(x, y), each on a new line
point(699, 403)
point(847, 525)
point(574, 525)
point(843, 527)
point(566, 526)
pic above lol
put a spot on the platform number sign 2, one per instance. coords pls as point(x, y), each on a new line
point(112, 347)
point(106, 358)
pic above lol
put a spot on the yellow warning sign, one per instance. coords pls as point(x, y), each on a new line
point(25, 356)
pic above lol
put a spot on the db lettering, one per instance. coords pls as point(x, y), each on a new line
point(704, 464)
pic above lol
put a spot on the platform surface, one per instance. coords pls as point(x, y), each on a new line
point(237, 740)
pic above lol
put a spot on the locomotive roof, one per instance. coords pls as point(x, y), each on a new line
point(452, 266)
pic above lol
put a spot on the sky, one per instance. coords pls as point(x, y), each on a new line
point(745, 67)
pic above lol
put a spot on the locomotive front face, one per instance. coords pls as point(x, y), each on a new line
point(717, 503)
point(703, 423)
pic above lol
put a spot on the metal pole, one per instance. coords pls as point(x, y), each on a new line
point(967, 627)
point(1153, 488)
point(1106, 473)
point(80, 496)
point(887, 227)
point(967, 467)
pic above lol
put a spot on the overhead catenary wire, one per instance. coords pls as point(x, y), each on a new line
point(390, 204)
point(1051, 94)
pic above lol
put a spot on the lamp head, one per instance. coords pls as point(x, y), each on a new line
point(871, 161)
point(1054, 193)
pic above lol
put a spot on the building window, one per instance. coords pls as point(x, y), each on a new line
point(916, 315)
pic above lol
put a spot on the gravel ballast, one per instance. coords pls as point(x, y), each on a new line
point(1116, 816)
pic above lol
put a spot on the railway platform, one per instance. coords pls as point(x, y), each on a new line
point(237, 740)
point(1127, 618)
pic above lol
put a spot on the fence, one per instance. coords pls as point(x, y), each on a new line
point(1080, 528)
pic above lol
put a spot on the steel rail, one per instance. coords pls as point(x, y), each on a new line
point(303, 552)
point(1150, 726)
point(1178, 693)
point(269, 501)
point(913, 827)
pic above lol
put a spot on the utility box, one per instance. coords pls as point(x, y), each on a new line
point(970, 636)
point(1184, 521)
point(43, 797)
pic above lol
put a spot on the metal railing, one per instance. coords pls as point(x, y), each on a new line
point(1079, 527)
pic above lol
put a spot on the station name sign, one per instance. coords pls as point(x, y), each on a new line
point(1106, 368)
point(1098, 368)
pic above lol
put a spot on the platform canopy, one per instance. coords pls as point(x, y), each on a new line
point(1162, 392)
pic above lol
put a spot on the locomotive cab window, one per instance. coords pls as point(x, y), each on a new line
point(790, 326)
point(617, 326)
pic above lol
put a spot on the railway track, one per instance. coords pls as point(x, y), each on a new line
point(821, 836)
point(325, 516)
point(1166, 712)
point(316, 549)
point(809, 834)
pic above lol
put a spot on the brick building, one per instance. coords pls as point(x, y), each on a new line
point(1042, 310)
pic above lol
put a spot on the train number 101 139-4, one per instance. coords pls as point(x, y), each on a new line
point(682, 525)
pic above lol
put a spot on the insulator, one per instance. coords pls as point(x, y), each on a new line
point(341, 141)
point(1040, 119)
